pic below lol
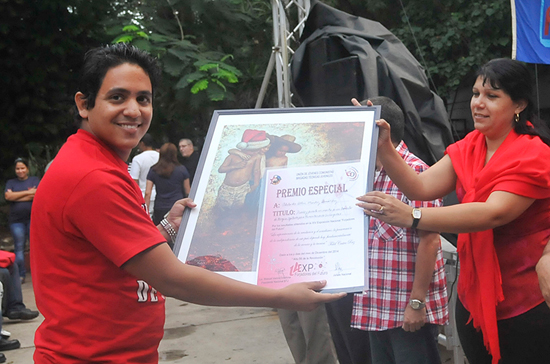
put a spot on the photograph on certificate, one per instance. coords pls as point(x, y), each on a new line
point(225, 232)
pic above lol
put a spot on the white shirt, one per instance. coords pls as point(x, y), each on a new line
point(140, 166)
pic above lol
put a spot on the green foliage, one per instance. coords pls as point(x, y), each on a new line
point(42, 45)
point(213, 55)
point(456, 37)
point(213, 74)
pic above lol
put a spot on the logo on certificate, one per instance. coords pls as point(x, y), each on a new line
point(352, 173)
point(298, 269)
point(275, 180)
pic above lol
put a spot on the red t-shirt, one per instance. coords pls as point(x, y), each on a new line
point(88, 219)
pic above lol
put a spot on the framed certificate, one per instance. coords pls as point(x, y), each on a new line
point(276, 192)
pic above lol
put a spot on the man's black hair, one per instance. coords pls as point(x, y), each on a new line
point(148, 140)
point(98, 61)
point(392, 113)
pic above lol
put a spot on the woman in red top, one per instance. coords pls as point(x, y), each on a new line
point(501, 175)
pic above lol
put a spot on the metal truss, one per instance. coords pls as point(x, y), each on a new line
point(289, 18)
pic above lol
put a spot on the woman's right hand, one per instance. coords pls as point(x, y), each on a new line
point(384, 134)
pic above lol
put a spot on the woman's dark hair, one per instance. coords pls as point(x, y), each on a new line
point(514, 78)
point(98, 61)
point(168, 160)
point(21, 160)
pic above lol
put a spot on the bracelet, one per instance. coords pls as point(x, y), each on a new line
point(169, 229)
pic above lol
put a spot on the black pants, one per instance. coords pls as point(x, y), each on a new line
point(400, 346)
point(523, 339)
point(352, 345)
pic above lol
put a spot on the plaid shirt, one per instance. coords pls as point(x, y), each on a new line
point(392, 255)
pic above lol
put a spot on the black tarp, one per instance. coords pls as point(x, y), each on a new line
point(343, 56)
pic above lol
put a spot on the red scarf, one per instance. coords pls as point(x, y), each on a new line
point(519, 166)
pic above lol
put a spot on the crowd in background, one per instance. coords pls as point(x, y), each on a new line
point(163, 180)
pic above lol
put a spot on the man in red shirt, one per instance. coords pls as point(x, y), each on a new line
point(97, 256)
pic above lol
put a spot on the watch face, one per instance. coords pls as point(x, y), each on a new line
point(417, 214)
point(416, 304)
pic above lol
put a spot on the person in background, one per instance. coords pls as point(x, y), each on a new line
point(141, 163)
point(99, 258)
point(407, 296)
point(190, 157)
point(5, 342)
point(20, 194)
point(12, 300)
point(170, 179)
point(501, 175)
point(9, 278)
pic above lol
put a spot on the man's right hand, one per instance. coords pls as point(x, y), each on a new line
point(305, 296)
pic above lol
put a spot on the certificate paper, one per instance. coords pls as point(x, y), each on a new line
point(321, 159)
point(312, 229)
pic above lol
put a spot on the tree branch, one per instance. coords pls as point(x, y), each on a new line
point(177, 19)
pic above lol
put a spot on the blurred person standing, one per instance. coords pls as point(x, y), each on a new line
point(20, 194)
point(171, 180)
point(141, 164)
point(190, 156)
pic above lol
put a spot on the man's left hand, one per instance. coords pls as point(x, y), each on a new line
point(176, 212)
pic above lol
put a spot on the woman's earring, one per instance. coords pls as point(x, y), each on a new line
point(516, 118)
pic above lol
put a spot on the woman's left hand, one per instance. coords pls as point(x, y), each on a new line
point(386, 208)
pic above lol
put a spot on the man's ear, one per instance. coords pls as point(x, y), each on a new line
point(81, 104)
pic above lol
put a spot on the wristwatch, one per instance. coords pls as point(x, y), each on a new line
point(416, 304)
point(416, 214)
